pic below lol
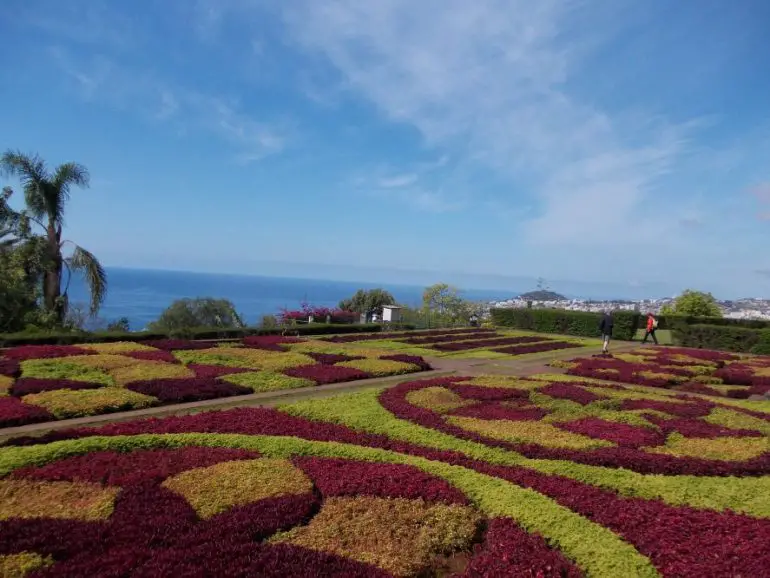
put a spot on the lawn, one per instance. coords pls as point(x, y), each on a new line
point(548, 476)
point(45, 383)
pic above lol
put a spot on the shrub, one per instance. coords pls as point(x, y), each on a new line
point(762, 347)
point(65, 403)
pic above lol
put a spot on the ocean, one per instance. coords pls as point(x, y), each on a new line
point(141, 295)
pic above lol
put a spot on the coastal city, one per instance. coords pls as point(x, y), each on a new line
point(748, 308)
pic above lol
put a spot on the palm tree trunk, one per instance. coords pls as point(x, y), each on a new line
point(52, 277)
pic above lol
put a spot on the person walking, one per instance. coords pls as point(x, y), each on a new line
point(605, 326)
point(652, 325)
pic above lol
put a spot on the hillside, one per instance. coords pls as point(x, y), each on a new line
point(542, 295)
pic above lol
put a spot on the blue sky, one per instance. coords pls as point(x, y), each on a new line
point(599, 141)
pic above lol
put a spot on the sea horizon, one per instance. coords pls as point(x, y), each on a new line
point(141, 295)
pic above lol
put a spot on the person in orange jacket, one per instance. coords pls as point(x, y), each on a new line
point(652, 325)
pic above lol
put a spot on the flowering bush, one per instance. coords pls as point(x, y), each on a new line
point(319, 315)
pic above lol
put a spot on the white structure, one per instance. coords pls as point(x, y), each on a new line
point(391, 313)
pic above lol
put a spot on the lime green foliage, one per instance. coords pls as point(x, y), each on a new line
point(438, 399)
point(737, 420)
point(60, 369)
point(361, 411)
point(472, 354)
point(5, 385)
point(117, 347)
point(380, 367)
point(506, 381)
point(244, 357)
point(67, 403)
point(19, 565)
point(731, 449)
point(142, 370)
point(267, 381)
point(597, 550)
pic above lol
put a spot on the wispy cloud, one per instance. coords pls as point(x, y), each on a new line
point(493, 82)
point(102, 80)
point(397, 181)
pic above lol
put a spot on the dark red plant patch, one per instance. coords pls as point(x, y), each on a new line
point(482, 393)
point(624, 435)
point(10, 367)
point(341, 477)
point(212, 371)
point(27, 385)
point(269, 342)
point(189, 389)
point(508, 550)
point(493, 411)
point(177, 344)
point(691, 409)
point(696, 428)
point(413, 359)
point(323, 374)
point(401, 335)
point(537, 348)
point(570, 392)
point(332, 358)
point(152, 355)
point(14, 412)
point(25, 352)
point(484, 334)
point(485, 343)
point(123, 469)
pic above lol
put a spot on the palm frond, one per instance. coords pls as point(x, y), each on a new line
point(96, 278)
point(33, 175)
point(64, 177)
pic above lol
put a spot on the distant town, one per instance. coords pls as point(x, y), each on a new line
point(749, 308)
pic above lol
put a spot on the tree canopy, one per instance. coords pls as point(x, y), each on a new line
point(695, 303)
point(46, 193)
point(200, 312)
point(368, 302)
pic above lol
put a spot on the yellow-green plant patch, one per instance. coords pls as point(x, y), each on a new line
point(117, 347)
point(68, 403)
point(533, 432)
point(474, 354)
point(102, 361)
point(218, 488)
point(72, 500)
point(506, 381)
point(737, 420)
point(5, 384)
point(142, 370)
point(732, 449)
point(61, 369)
point(245, 357)
point(438, 399)
point(397, 535)
point(19, 565)
point(260, 381)
point(380, 367)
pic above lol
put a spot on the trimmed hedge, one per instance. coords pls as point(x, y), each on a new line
point(719, 337)
point(678, 322)
point(562, 321)
point(203, 333)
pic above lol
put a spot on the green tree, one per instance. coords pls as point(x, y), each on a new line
point(695, 303)
point(368, 302)
point(442, 299)
point(200, 312)
point(46, 194)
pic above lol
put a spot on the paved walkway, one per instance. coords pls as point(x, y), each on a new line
point(523, 366)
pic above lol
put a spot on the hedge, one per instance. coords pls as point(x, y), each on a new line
point(720, 337)
point(562, 321)
point(203, 333)
point(675, 322)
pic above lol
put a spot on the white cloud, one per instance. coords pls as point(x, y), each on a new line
point(492, 81)
point(397, 181)
point(102, 80)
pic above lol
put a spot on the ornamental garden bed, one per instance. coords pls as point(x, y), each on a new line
point(487, 476)
point(45, 383)
point(477, 343)
point(701, 371)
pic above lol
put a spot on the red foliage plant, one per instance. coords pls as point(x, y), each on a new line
point(152, 355)
point(536, 348)
point(27, 385)
point(332, 358)
point(413, 359)
point(10, 367)
point(25, 352)
point(213, 371)
point(269, 342)
point(189, 389)
point(14, 412)
point(324, 374)
point(624, 435)
point(176, 344)
point(570, 392)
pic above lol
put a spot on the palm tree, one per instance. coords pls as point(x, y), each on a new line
point(46, 194)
